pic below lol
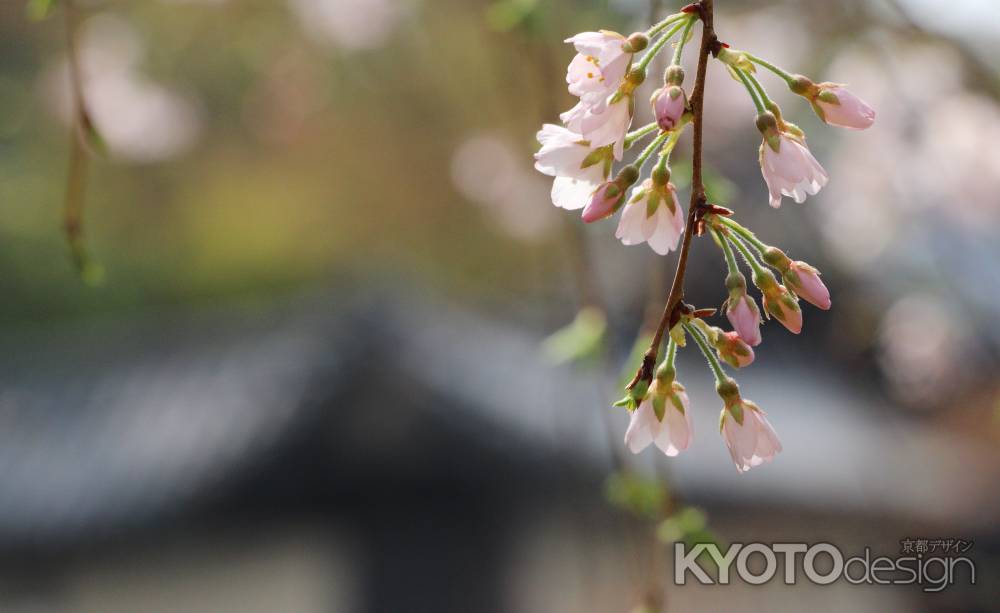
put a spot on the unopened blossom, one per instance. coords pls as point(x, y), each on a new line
point(742, 311)
point(606, 126)
point(599, 67)
point(577, 167)
point(790, 169)
point(672, 431)
point(733, 350)
point(839, 107)
point(604, 202)
point(779, 303)
point(652, 216)
point(748, 434)
point(669, 104)
point(804, 280)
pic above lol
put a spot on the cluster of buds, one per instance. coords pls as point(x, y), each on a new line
point(595, 134)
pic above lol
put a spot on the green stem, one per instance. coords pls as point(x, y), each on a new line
point(671, 353)
point(713, 362)
point(658, 46)
point(745, 233)
point(784, 74)
point(750, 89)
point(648, 151)
point(679, 49)
point(635, 135)
point(728, 251)
point(653, 31)
point(764, 98)
point(751, 259)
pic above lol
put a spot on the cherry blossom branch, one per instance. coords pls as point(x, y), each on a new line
point(671, 312)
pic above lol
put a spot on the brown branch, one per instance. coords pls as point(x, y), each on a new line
point(672, 310)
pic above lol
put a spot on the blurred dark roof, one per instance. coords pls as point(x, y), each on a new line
point(112, 423)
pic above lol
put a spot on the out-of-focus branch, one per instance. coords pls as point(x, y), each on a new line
point(82, 135)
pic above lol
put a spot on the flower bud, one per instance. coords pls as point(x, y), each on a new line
point(609, 197)
point(744, 316)
point(733, 350)
point(669, 104)
point(604, 202)
point(804, 280)
point(779, 303)
point(636, 42)
point(839, 107)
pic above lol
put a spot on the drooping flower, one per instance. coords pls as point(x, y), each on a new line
point(741, 310)
point(607, 126)
point(790, 169)
point(599, 67)
point(804, 280)
point(748, 434)
point(669, 104)
point(779, 303)
point(839, 107)
point(663, 418)
point(652, 216)
point(577, 167)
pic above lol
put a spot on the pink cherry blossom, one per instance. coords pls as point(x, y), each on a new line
point(804, 280)
point(604, 202)
point(669, 104)
point(673, 434)
point(607, 126)
point(734, 350)
point(744, 316)
point(752, 442)
point(653, 216)
point(848, 111)
point(791, 170)
point(598, 68)
point(578, 169)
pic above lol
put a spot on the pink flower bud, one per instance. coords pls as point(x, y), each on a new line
point(669, 104)
point(748, 434)
point(804, 280)
point(745, 319)
point(734, 350)
point(839, 107)
point(604, 202)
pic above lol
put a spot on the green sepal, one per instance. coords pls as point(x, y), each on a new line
point(675, 399)
point(736, 410)
point(659, 406)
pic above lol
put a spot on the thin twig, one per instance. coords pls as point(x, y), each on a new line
point(80, 132)
point(671, 313)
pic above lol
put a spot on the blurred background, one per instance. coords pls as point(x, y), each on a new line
point(319, 373)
